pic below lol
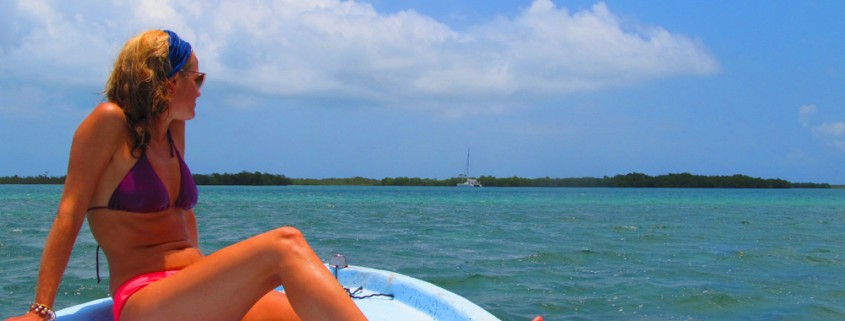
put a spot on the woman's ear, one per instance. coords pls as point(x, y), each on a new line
point(171, 83)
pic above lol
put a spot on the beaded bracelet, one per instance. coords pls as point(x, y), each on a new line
point(43, 310)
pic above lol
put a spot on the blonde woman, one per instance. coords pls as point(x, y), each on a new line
point(127, 175)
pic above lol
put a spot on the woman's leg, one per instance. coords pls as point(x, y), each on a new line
point(226, 284)
point(274, 306)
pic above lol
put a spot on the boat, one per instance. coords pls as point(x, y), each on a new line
point(468, 181)
point(381, 295)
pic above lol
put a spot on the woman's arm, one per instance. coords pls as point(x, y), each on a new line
point(94, 144)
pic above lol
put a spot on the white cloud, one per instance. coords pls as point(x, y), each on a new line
point(839, 144)
point(346, 50)
point(553, 51)
point(805, 113)
point(830, 129)
point(831, 134)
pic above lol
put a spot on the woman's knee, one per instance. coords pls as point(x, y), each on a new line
point(288, 233)
point(288, 241)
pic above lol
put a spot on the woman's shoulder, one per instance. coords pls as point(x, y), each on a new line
point(109, 111)
point(107, 115)
point(106, 118)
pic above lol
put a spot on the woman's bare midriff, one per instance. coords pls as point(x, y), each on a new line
point(140, 243)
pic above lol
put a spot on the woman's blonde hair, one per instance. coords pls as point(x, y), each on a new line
point(138, 84)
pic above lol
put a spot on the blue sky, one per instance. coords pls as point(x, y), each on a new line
point(323, 88)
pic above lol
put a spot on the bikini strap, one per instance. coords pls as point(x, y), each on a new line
point(172, 146)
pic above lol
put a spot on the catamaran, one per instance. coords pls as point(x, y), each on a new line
point(468, 181)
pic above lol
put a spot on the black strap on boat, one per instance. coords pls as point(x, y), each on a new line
point(97, 255)
point(354, 294)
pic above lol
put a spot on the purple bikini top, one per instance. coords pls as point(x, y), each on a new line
point(142, 191)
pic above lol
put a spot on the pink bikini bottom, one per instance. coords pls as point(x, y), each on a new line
point(125, 291)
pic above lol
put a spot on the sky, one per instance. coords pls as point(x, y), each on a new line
point(390, 88)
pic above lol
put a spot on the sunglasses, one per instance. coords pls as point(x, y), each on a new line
point(199, 79)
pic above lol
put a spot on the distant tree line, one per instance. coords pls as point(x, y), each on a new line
point(354, 181)
point(697, 181)
point(40, 179)
point(683, 180)
point(416, 181)
point(242, 178)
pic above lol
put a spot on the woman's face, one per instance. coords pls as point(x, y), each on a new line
point(186, 91)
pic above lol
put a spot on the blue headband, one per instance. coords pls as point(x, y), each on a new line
point(179, 53)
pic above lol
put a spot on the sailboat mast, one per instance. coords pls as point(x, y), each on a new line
point(466, 170)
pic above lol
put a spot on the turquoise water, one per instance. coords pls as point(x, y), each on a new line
point(564, 253)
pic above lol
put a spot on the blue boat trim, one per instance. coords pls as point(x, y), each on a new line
point(413, 300)
point(97, 310)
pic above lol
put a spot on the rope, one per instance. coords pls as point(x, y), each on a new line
point(353, 294)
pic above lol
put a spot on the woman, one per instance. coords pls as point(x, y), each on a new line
point(127, 175)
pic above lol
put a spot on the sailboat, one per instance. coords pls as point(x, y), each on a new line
point(468, 181)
